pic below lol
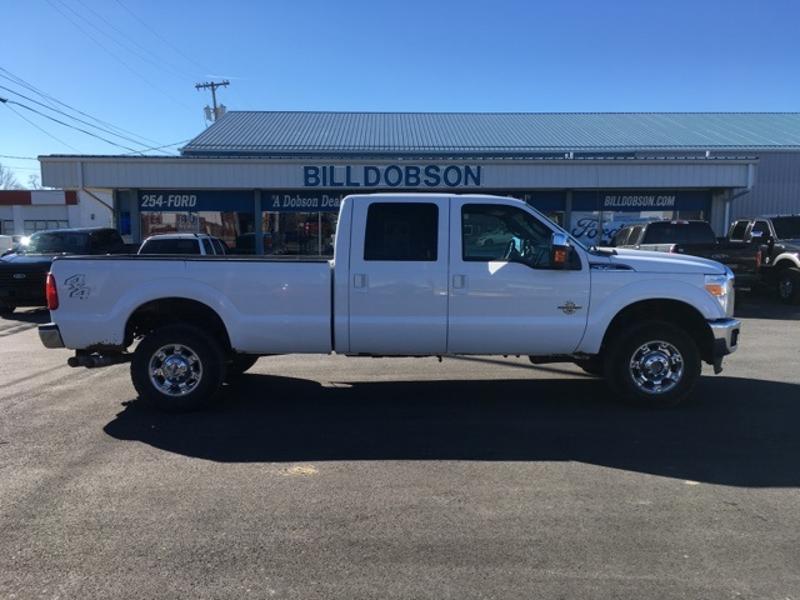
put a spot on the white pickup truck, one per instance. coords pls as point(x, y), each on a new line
point(413, 275)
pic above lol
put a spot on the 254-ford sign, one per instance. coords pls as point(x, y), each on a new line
point(389, 176)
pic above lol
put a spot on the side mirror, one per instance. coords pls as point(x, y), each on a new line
point(559, 250)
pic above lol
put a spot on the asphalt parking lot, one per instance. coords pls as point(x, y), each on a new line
point(322, 477)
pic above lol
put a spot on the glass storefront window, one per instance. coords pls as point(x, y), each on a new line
point(230, 227)
point(299, 233)
point(597, 216)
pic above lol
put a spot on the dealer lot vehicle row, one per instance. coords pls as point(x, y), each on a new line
point(413, 275)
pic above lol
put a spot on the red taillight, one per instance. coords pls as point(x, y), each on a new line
point(51, 292)
point(758, 259)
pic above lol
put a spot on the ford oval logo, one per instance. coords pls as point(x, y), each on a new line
point(19, 276)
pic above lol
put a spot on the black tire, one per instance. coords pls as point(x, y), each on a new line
point(631, 342)
point(200, 389)
point(592, 366)
point(789, 286)
point(6, 310)
point(239, 365)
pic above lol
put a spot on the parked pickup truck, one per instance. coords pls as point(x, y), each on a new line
point(22, 274)
point(413, 275)
point(695, 238)
point(779, 240)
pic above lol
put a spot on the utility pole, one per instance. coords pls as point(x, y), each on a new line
point(215, 112)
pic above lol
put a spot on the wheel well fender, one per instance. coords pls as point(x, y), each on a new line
point(163, 311)
point(676, 313)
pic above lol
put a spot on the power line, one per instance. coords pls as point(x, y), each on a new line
point(130, 44)
point(18, 157)
point(114, 55)
point(44, 131)
point(162, 38)
point(53, 101)
point(41, 114)
point(29, 99)
point(166, 145)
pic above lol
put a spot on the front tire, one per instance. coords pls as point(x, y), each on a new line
point(653, 364)
point(789, 286)
point(6, 310)
point(177, 368)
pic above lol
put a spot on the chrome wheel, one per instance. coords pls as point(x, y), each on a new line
point(656, 367)
point(175, 370)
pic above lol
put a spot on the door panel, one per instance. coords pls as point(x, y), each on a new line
point(398, 276)
point(504, 299)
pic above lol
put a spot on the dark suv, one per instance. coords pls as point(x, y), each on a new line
point(22, 274)
point(779, 238)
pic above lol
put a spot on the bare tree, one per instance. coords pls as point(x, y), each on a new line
point(8, 181)
point(34, 183)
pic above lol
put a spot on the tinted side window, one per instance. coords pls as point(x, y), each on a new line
point(761, 226)
point(402, 231)
point(218, 246)
point(636, 233)
point(738, 230)
point(494, 232)
point(171, 247)
point(207, 246)
point(621, 237)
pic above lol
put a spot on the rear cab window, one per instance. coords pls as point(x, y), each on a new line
point(177, 246)
point(207, 249)
point(402, 231)
point(738, 231)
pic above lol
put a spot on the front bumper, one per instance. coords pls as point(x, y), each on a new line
point(726, 339)
point(50, 336)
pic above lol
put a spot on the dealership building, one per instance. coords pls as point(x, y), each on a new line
point(271, 182)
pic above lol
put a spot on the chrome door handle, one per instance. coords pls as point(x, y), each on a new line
point(359, 280)
point(459, 282)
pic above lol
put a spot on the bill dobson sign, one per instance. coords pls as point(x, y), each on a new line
point(390, 176)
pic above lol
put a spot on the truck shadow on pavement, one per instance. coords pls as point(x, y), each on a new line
point(738, 432)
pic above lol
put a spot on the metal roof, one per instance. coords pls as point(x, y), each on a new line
point(287, 133)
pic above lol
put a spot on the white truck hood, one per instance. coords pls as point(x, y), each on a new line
point(662, 262)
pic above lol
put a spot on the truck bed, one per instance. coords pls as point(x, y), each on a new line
point(283, 304)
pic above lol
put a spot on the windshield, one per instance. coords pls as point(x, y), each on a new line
point(57, 242)
point(787, 228)
point(552, 223)
point(679, 233)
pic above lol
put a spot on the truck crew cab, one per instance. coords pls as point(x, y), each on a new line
point(779, 240)
point(412, 275)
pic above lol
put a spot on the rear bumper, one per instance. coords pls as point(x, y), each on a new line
point(50, 336)
point(726, 339)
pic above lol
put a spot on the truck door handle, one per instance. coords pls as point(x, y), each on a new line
point(459, 282)
point(360, 280)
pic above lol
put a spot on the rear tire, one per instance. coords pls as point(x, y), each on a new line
point(6, 310)
point(653, 364)
point(178, 368)
point(789, 286)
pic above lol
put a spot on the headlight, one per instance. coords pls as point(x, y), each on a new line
point(721, 287)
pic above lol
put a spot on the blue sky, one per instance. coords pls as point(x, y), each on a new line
point(133, 63)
